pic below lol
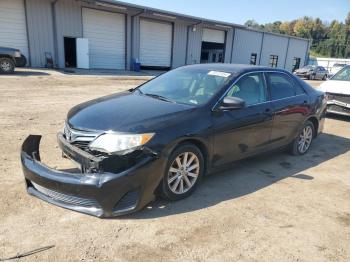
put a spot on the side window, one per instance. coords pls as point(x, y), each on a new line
point(250, 88)
point(281, 86)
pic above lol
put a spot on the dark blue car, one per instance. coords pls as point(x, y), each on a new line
point(165, 135)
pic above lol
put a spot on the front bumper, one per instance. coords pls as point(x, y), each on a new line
point(302, 75)
point(97, 190)
point(338, 107)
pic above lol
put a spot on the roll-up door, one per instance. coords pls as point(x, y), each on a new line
point(106, 34)
point(155, 43)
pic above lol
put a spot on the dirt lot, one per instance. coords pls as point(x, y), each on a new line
point(271, 208)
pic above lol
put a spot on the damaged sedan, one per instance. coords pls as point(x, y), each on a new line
point(162, 137)
point(337, 91)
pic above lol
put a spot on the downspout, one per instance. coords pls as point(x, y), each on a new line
point(261, 47)
point(285, 59)
point(54, 29)
point(233, 42)
point(27, 29)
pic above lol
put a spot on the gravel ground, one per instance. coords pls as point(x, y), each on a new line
point(273, 207)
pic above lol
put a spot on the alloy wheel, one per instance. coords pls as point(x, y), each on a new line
point(183, 173)
point(305, 139)
point(5, 66)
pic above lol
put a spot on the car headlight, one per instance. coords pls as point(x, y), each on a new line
point(113, 143)
point(17, 54)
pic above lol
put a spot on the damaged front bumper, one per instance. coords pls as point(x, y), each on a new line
point(107, 186)
point(338, 107)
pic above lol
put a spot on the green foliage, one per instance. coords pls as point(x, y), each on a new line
point(328, 39)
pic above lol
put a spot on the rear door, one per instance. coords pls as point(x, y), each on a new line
point(290, 103)
point(243, 132)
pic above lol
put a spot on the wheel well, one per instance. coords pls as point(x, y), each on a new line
point(7, 56)
point(201, 146)
point(314, 121)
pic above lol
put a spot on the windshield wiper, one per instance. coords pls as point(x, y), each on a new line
point(159, 97)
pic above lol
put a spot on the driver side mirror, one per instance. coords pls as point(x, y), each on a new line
point(231, 103)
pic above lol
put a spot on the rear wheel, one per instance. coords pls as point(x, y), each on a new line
point(302, 142)
point(7, 66)
point(184, 170)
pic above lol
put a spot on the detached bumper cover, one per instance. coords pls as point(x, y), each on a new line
point(99, 192)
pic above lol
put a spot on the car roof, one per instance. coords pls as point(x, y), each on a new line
point(233, 68)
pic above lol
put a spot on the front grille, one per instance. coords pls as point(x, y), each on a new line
point(81, 144)
point(67, 199)
point(340, 98)
point(128, 201)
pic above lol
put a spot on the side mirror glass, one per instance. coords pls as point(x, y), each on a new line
point(231, 103)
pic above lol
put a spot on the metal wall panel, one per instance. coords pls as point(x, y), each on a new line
point(40, 31)
point(229, 39)
point(179, 44)
point(245, 43)
point(69, 24)
point(297, 48)
point(194, 44)
point(274, 45)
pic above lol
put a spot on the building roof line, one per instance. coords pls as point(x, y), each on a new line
point(189, 17)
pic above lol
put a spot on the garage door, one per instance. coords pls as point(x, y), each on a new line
point(13, 32)
point(213, 36)
point(106, 34)
point(155, 43)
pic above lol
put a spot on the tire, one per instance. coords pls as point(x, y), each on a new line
point(7, 66)
point(177, 183)
point(324, 77)
point(302, 143)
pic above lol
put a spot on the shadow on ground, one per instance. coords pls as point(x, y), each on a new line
point(249, 176)
point(29, 73)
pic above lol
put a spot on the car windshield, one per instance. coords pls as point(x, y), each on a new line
point(342, 75)
point(190, 86)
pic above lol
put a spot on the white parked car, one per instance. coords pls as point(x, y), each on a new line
point(336, 68)
point(337, 90)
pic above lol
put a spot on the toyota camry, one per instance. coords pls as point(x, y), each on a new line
point(164, 136)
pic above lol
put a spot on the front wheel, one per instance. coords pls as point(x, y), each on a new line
point(302, 142)
point(184, 170)
point(7, 66)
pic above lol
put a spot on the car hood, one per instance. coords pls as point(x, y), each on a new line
point(125, 112)
point(336, 87)
point(8, 49)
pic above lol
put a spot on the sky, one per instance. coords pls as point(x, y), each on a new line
point(239, 11)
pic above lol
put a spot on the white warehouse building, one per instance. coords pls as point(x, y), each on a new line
point(113, 35)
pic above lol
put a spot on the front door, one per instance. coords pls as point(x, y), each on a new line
point(243, 132)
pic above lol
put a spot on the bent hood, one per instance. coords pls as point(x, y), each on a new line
point(125, 112)
point(336, 87)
